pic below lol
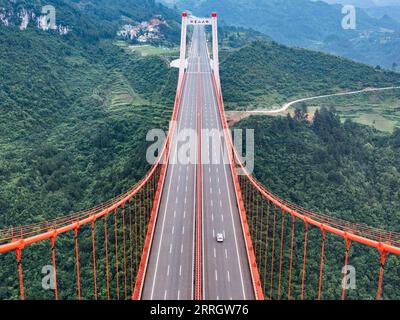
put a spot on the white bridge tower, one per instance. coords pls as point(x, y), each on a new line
point(181, 63)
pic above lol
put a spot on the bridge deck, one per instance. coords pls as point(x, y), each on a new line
point(226, 273)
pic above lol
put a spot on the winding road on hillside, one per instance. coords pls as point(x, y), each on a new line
point(286, 106)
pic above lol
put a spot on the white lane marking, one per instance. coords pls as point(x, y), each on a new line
point(222, 217)
point(176, 200)
point(179, 294)
point(230, 202)
point(180, 270)
point(183, 230)
point(217, 297)
point(229, 276)
point(226, 254)
point(181, 248)
point(219, 191)
point(212, 216)
point(215, 253)
point(186, 188)
point(165, 295)
point(185, 200)
point(220, 203)
point(216, 275)
point(173, 229)
point(174, 213)
point(213, 233)
point(168, 271)
point(170, 248)
point(184, 214)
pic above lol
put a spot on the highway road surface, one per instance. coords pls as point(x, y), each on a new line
point(226, 273)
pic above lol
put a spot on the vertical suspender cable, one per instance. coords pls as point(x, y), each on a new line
point(291, 257)
point(281, 254)
point(18, 253)
point(131, 244)
point(261, 232)
point(266, 249)
point(94, 262)
point(116, 252)
point(346, 259)
point(303, 276)
point(53, 257)
point(78, 274)
point(124, 250)
point(321, 268)
point(106, 252)
point(381, 270)
point(272, 255)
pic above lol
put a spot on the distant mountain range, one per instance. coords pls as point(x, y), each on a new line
point(366, 3)
point(91, 19)
point(309, 24)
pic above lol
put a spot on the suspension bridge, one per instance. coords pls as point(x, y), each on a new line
point(158, 240)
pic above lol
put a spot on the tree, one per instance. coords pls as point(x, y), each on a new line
point(301, 112)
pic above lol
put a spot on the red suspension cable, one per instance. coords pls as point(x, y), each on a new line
point(291, 257)
point(124, 251)
point(281, 254)
point(321, 267)
point(266, 248)
point(303, 277)
point(261, 232)
point(381, 270)
point(78, 274)
point(94, 262)
point(18, 253)
point(116, 252)
point(346, 259)
point(106, 252)
point(131, 244)
point(257, 222)
point(272, 255)
point(53, 258)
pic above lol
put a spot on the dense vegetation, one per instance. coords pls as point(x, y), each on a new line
point(94, 20)
point(346, 170)
point(263, 73)
point(75, 111)
point(61, 138)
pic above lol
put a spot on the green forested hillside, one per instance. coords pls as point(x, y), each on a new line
point(309, 24)
point(63, 145)
point(346, 170)
point(75, 110)
point(93, 20)
point(263, 73)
